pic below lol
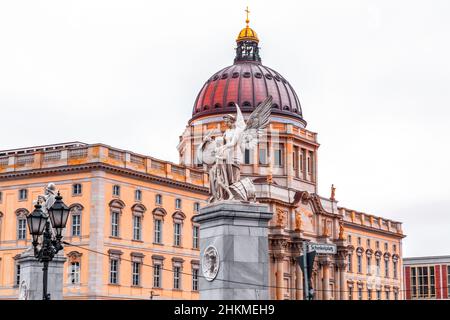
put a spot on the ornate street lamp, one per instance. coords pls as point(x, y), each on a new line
point(39, 225)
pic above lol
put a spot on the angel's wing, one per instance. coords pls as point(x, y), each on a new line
point(256, 123)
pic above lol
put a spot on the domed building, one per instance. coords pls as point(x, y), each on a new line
point(283, 167)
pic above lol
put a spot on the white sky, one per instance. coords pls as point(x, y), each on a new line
point(373, 78)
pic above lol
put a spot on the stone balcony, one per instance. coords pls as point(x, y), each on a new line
point(80, 154)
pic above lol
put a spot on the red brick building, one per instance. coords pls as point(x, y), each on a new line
point(426, 277)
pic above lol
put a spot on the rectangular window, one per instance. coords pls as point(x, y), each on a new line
point(368, 243)
point(423, 282)
point(76, 225)
point(448, 281)
point(350, 293)
point(74, 275)
point(196, 207)
point(113, 271)
point(388, 296)
point(369, 262)
point(295, 161)
point(360, 294)
point(158, 199)
point(378, 267)
point(23, 194)
point(386, 268)
point(136, 228)
point(395, 269)
point(138, 195)
point(157, 276)
point(177, 234)
point(369, 294)
point(195, 279)
point(377, 244)
point(349, 263)
point(158, 225)
point(17, 274)
point(378, 294)
point(395, 295)
point(176, 277)
point(359, 241)
point(76, 189)
point(177, 203)
point(310, 162)
point(349, 239)
point(114, 224)
point(21, 229)
point(195, 234)
point(359, 264)
point(116, 190)
point(136, 273)
point(278, 156)
point(1, 196)
point(262, 155)
point(247, 156)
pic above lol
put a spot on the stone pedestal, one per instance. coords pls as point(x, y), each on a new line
point(31, 276)
point(239, 233)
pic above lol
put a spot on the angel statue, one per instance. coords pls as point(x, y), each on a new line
point(223, 154)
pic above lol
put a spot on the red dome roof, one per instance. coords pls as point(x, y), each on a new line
point(246, 83)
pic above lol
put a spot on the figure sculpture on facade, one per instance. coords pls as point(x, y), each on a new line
point(341, 231)
point(298, 221)
point(224, 154)
point(48, 199)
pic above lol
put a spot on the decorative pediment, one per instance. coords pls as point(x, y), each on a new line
point(74, 256)
point(378, 254)
point(386, 255)
point(76, 208)
point(117, 204)
point(350, 248)
point(22, 212)
point(369, 252)
point(395, 257)
point(359, 251)
point(160, 212)
point(138, 209)
point(178, 215)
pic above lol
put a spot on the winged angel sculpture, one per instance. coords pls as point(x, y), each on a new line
point(223, 154)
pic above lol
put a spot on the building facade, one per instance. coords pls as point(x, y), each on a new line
point(427, 278)
point(133, 212)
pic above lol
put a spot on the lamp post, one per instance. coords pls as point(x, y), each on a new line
point(39, 225)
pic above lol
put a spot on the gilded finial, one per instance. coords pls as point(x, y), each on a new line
point(247, 21)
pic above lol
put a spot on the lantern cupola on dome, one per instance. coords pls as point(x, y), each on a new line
point(247, 44)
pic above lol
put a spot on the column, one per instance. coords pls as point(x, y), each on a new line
point(326, 280)
point(298, 283)
point(279, 279)
point(342, 286)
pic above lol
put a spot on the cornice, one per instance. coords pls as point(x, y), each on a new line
point(367, 228)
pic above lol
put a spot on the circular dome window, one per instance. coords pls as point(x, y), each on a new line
point(286, 108)
point(231, 104)
point(215, 77)
point(205, 107)
point(235, 74)
point(246, 104)
point(277, 77)
point(217, 105)
point(246, 74)
point(268, 76)
point(275, 106)
point(224, 76)
point(258, 75)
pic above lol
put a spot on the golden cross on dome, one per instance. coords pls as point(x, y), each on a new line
point(247, 20)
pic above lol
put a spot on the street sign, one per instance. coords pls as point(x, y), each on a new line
point(322, 248)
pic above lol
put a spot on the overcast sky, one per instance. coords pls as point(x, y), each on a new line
point(373, 78)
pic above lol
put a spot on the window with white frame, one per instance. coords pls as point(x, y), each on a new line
point(177, 234)
point(369, 264)
point(195, 279)
point(195, 236)
point(17, 274)
point(74, 272)
point(21, 228)
point(115, 215)
point(395, 295)
point(349, 263)
point(369, 294)
point(247, 156)
point(116, 191)
point(177, 277)
point(157, 275)
point(157, 231)
point(350, 292)
point(75, 212)
point(114, 271)
point(138, 195)
point(137, 227)
point(378, 294)
point(23, 194)
point(360, 293)
point(386, 267)
point(262, 153)
point(359, 262)
point(76, 189)
point(394, 267)
point(136, 277)
point(377, 259)
point(388, 295)
point(278, 155)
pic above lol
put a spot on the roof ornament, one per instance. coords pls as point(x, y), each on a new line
point(247, 20)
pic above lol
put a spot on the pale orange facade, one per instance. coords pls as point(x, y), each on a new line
point(100, 171)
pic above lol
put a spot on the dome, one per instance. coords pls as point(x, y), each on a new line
point(247, 84)
point(247, 34)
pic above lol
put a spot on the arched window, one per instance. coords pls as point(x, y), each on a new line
point(75, 219)
point(138, 214)
point(21, 215)
point(116, 207)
